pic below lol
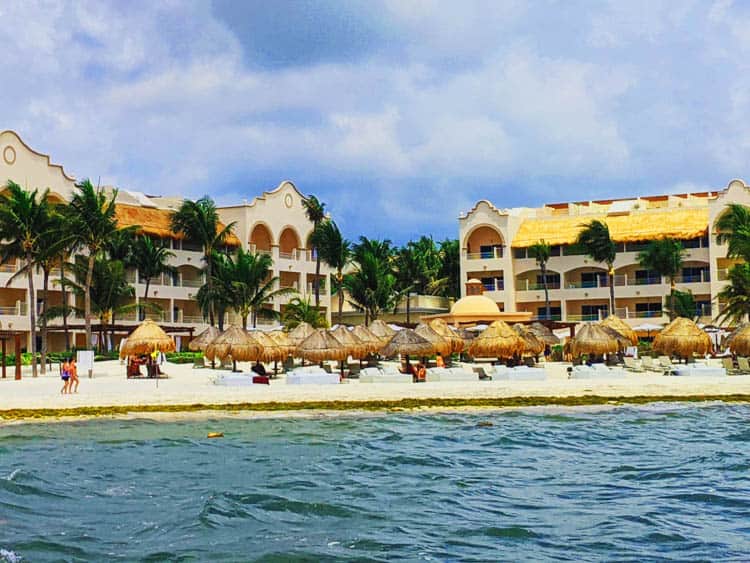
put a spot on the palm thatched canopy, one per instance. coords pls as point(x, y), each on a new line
point(146, 338)
point(368, 339)
point(739, 341)
point(381, 330)
point(442, 328)
point(616, 323)
point(282, 341)
point(497, 340)
point(466, 335)
point(321, 345)
point(622, 341)
point(236, 343)
point(352, 344)
point(407, 342)
point(440, 345)
point(544, 333)
point(205, 338)
point(532, 344)
point(683, 338)
point(298, 334)
point(594, 339)
point(270, 351)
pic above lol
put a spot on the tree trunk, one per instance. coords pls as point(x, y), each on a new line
point(672, 313)
point(341, 302)
point(209, 286)
point(87, 300)
point(145, 296)
point(65, 304)
point(612, 290)
point(255, 318)
point(547, 310)
point(317, 279)
point(32, 314)
point(45, 295)
point(244, 322)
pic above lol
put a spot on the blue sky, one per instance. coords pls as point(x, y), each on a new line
point(399, 115)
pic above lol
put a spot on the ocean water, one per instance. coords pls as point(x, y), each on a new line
point(660, 482)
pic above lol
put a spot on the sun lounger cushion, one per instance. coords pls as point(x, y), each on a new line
point(593, 372)
point(233, 379)
point(311, 378)
point(520, 373)
point(385, 378)
point(451, 374)
point(699, 371)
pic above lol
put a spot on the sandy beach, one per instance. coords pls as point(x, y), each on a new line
point(189, 389)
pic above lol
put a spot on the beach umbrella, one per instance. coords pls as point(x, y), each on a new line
point(381, 330)
point(532, 344)
point(440, 345)
point(616, 323)
point(321, 345)
point(282, 341)
point(353, 345)
point(147, 338)
point(368, 339)
point(299, 333)
point(592, 338)
point(236, 343)
point(408, 343)
point(442, 328)
point(270, 351)
point(739, 341)
point(497, 340)
point(205, 338)
point(682, 337)
point(544, 333)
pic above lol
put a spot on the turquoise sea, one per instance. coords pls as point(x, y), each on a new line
point(659, 482)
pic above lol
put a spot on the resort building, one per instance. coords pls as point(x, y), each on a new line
point(274, 222)
point(495, 250)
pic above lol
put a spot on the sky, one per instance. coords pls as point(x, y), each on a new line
point(399, 114)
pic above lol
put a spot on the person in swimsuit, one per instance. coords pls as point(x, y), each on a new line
point(439, 361)
point(65, 375)
point(73, 371)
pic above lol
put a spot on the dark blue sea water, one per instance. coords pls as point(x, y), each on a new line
point(663, 482)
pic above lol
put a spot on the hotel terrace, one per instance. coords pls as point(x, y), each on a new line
point(274, 222)
point(495, 242)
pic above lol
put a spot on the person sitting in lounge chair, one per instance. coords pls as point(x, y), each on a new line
point(259, 368)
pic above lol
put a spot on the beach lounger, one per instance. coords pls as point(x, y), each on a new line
point(226, 363)
point(728, 364)
point(199, 363)
point(234, 379)
point(631, 364)
point(744, 366)
point(518, 373)
point(451, 374)
point(649, 364)
point(697, 370)
point(374, 375)
point(311, 375)
point(596, 371)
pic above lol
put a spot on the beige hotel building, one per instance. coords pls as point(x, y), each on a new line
point(273, 222)
point(495, 241)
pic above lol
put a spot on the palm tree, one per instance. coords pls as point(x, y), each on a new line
point(24, 216)
point(372, 286)
point(408, 270)
point(151, 261)
point(450, 268)
point(682, 304)
point(733, 228)
point(199, 222)
point(665, 257)
point(299, 311)
point(379, 249)
point(336, 252)
point(91, 216)
point(542, 251)
point(736, 294)
point(595, 241)
point(315, 211)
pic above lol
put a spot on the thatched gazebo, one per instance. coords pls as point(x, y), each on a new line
point(682, 338)
point(616, 323)
point(381, 330)
point(442, 328)
point(497, 340)
point(201, 342)
point(353, 345)
point(147, 338)
point(282, 341)
point(532, 344)
point(622, 341)
point(298, 334)
point(739, 341)
point(270, 351)
point(369, 340)
point(440, 345)
point(408, 343)
point(594, 339)
point(544, 333)
point(235, 343)
point(320, 346)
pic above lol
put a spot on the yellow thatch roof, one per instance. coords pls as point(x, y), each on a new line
point(146, 338)
point(679, 222)
point(153, 221)
point(682, 337)
point(616, 323)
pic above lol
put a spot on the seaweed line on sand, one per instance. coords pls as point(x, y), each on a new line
point(380, 405)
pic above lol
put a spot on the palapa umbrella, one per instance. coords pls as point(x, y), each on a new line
point(592, 338)
point(299, 333)
point(321, 345)
point(282, 341)
point(532, 344)
point(739, 341)
point(497, 340)
point(408, 343)
point(270, 351)
point(683, 338)
point(616, 323)
point(440, 345)
point(371, 342)
point(353, 345)
point(544, 333)
point(442, 328)
point(146, 338)
point(205, 338)
point(236, 343)
point(381, 330)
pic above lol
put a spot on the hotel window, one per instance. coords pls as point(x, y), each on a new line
point(594, 311)
point(691, 243)
point(553, 281)
point(519, 253)
point(696, 274)
point(594, 279)
point(491, 251)
point(573, 250)
point(647, 277)
point(636, 246)
point(555, 250)
point(648, 309)
point(555, 313)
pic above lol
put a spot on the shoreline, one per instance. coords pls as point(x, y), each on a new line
point(313, 408)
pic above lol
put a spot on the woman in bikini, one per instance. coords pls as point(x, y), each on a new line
point(65, 375)
point(73, 370)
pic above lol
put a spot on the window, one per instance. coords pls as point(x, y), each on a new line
point(555, 250)
point(703, 308)
point(519, 253)
point(553, 281)
point(691, 243)
point(592, 312)
point(696, 274)
point(491, 251)
point(594, 279)
point(636, 246)
point(648, 309)
point(573, 250)
point(492, 284)
point(647, 277)
point(555, 313)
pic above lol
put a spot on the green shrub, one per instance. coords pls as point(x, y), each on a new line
point(183, 357)
point(556, 354)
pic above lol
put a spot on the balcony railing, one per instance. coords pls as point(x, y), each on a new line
point(526, 285)
point(191, 282)
point(191, 319)
point(497, 285)
point(496, 252)
point(14, 310)
point(704, 276)
point(311, 289)
point(583, 318)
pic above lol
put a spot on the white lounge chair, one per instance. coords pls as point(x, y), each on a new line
point(311, 375)
point(375, 375)
point(451, 374)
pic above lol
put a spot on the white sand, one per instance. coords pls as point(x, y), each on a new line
point(186, 385)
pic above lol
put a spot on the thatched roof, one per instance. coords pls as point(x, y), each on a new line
point(282, 341)
point(544, 333)
point(616, 323)
point(154, 221)
point(321, 345)
point(593, 339)
point(407, 342)
point(236, 343)
point(440, 345)
point(381, 330)
point(739, 341)
point(683, 338)
point(146, 338)
point(353, 345)
point(205, 338)
point(298, 334)
point(532, 344)
point(368, 339)
point(497, 340)
point(442, 328)
point(679, 223)
point(269, 350)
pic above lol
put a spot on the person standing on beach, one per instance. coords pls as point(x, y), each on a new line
point(65, 375)
point(73, 370)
